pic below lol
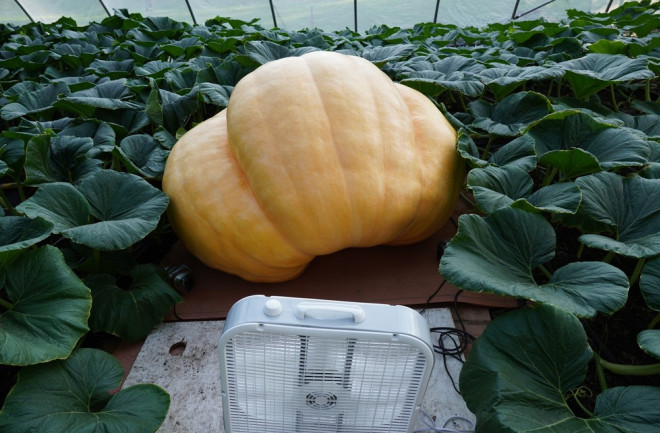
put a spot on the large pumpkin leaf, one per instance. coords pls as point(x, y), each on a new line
point(566, 138)
point(519, 152)
point(511, 115)
point(649, 341)
point(457, 73)
point(496, 187)
point(631, 206)
point(649, 283)
point(593, 72)
point(49, 311)
point(521, 371)
point(114, 69)
point(59, 159)
point(17, 233)
point(73, 395)
point(109, 95)
point(169, 109)
point(107, 211)
point(486, 255)
point(101, 133)
point(35, 102)
point(130, 311)
point(143, 155)
point(504, 79)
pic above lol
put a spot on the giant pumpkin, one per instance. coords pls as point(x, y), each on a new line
point(313, 154)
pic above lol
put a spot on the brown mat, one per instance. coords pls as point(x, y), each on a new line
point(405, 275)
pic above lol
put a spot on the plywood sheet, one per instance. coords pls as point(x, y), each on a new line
point(404, 275)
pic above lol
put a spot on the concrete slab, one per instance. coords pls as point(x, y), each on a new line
point(182, 358)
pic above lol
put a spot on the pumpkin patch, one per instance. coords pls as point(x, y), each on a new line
point(313, 154)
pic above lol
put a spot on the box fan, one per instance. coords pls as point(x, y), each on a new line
point(296, 365)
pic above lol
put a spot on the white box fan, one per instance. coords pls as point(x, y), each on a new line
point(295, 365)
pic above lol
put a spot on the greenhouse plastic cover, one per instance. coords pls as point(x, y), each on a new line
point(329, 15)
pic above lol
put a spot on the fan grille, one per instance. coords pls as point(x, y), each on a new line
point(280, 383)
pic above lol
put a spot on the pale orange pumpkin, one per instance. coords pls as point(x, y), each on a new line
point(313, 154)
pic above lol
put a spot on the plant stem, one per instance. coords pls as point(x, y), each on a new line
point(614, 103)
point(637, 271)
point(600, 373)
point(6, 304)
point(580, 251)
point(579, 403)
point(21, 192)
point(549, 176)
point(96, 259)
point(484, 154)
point(467, 199)
point(4, 202)
point(462, 101)
point(630, 370)
point(545, 272)
point(647, 91)
point(609, 257)
point(654, 321)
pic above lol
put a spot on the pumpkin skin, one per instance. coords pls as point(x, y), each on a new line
point(313, 154)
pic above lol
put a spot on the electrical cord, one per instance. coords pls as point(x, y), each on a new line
point(430, 425)
point(452, 342)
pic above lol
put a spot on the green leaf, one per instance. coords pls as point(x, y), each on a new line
point(73, 395)
point(215, 94)
point(455, 73)
point(511, 115)
point(486, 255)
point(50, 308)
point(519, 152)
point(143, 155)
point(114, 69)
point(101, 133)
point(571, 130)
point(108, 95)
point(131, 312)
point(59, 203)
point(125, 208)
point(168, 109)
point(17, 233)
point(496, 187)
point(381, 55)
point(59, 159)
point(35, 102)
point(649, 283)
point(521, 371)
point(593, 72)
point(631, 206)
point(558, 198)
point(571, 163)
point(504, 79)
point(649, 341)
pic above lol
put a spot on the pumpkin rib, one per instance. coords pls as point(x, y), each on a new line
point(217, 245)
point(349, 202)
point(447, 183)
point(388, 190)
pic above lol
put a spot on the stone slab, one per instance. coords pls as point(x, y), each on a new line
point(182, 358)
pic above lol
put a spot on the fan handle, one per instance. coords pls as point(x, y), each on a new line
point(326, 311)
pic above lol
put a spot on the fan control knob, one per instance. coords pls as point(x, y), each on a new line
point(273, 308)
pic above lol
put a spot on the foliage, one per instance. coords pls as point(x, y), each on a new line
point(558, 123)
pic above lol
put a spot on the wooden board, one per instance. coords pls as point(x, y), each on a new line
point(405, 275)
